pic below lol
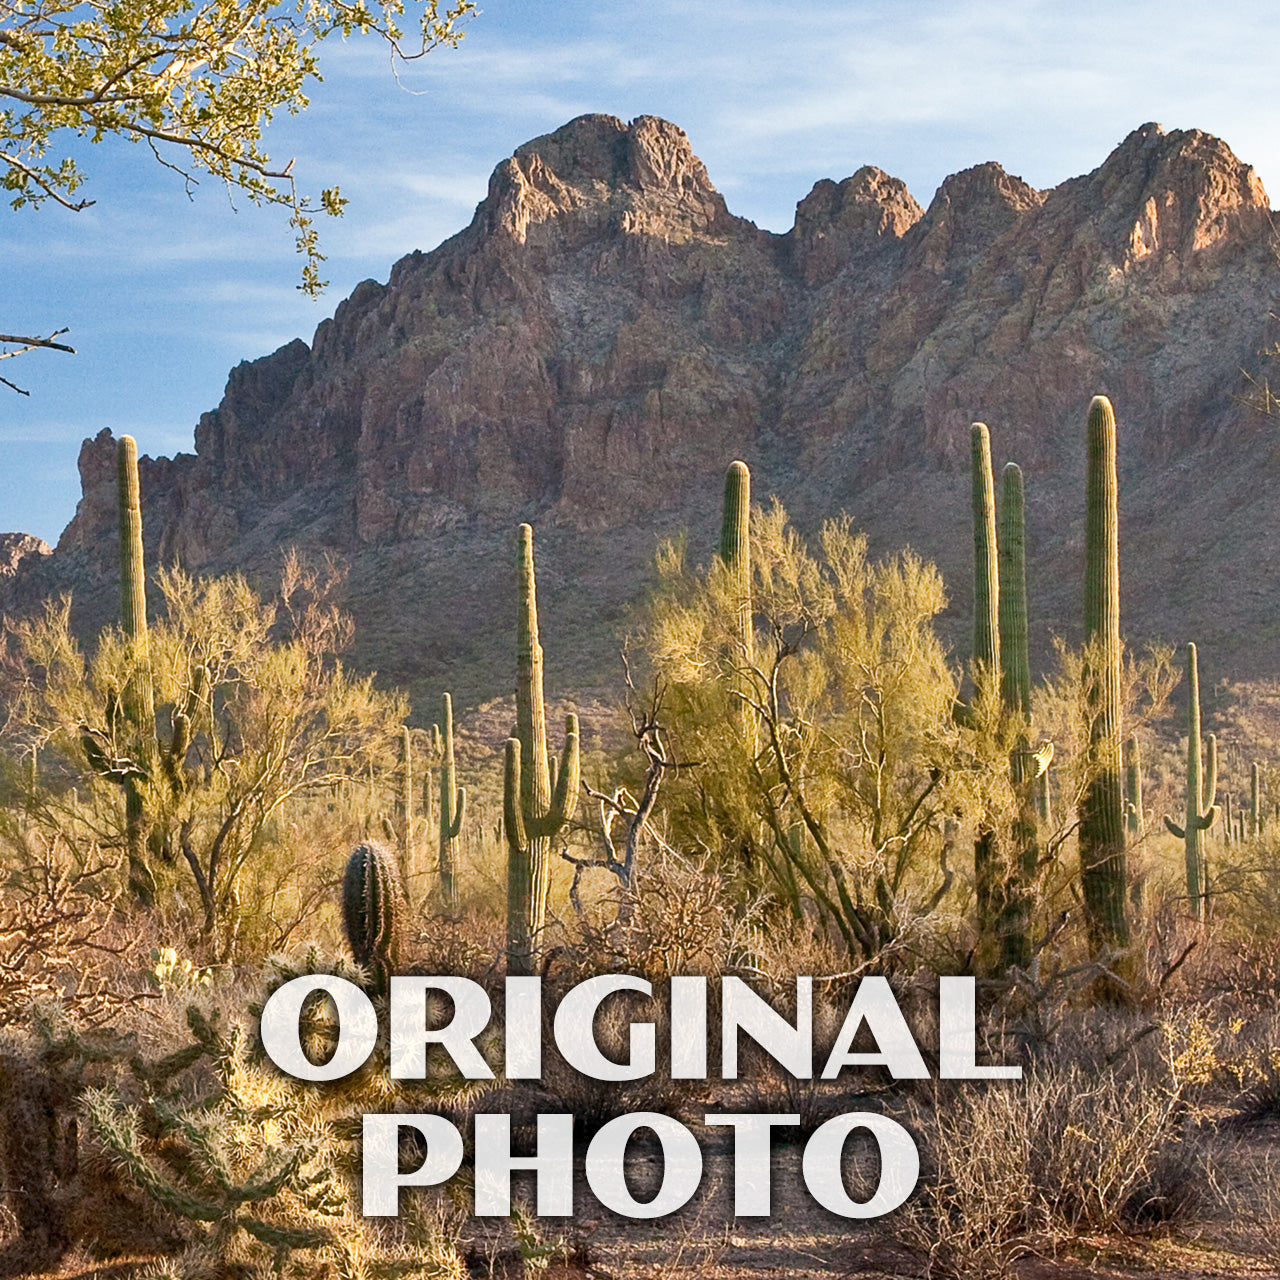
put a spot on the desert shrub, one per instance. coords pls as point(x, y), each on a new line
point(59, 934)
point(255, 713)
point(1085, 1143)
point(191, 1144)
point(825, 756)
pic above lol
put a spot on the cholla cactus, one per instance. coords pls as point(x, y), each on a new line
point(253, 1168)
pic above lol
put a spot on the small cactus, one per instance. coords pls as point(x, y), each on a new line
point(453, 807)
point(1202, 811)
point(372, 906)
point(1135, 818)
point(1255, 800)
point(404, 805)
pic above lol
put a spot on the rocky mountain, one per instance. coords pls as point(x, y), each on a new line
point(606, 336)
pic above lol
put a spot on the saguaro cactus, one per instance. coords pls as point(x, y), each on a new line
point(1202, 790)
point(1026, 766)
point(453, 805)
point(986, 567)
point(986, 664)
point(534, 809)
point(1101, 836)
point(1135, 819)
point(735, 553)
point(405, 806)
point(1255, 800)
point(735, 546)
point(372, 904)
point(138, 702)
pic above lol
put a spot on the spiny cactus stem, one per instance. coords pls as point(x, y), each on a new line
point(1101, 836)
point(1015, 677)
point(453, 802)
point(986, 573)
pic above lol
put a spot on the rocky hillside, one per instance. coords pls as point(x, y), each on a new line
point(605, 336)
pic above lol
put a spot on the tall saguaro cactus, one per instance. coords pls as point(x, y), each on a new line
point(1255, 801)
point(986, 664)
point(138, 702)
point(986, 568)
point(535, 809)
point(1101, 834)
point(1026, 766)
point(735, 527)
point(1202, 791)
point(735, 554)
point(453, 805)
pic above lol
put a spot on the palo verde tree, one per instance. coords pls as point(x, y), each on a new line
point(857, 758)
point(253, 711)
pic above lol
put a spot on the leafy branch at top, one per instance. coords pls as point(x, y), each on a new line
point(195, 80)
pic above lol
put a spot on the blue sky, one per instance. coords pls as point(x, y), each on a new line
point(163, 294)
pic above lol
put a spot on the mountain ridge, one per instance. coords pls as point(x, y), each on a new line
point(605, 335)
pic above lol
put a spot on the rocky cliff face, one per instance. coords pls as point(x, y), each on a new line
point(605, 336)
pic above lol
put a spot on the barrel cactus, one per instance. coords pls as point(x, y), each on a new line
point(373, 906)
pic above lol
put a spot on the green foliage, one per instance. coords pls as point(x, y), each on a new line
point(260, 714)
point(197, 80)
point(1201, 794)
point(538, 800)
point(453, 807)
point(373, 909)
point(859, 756)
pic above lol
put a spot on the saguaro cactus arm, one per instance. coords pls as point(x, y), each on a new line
point(564, 800)
point(459, 813)
point(512, 813)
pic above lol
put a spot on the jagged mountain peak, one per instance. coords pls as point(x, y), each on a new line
point(1176, 194)
point(597, 170)
point(605, 336)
